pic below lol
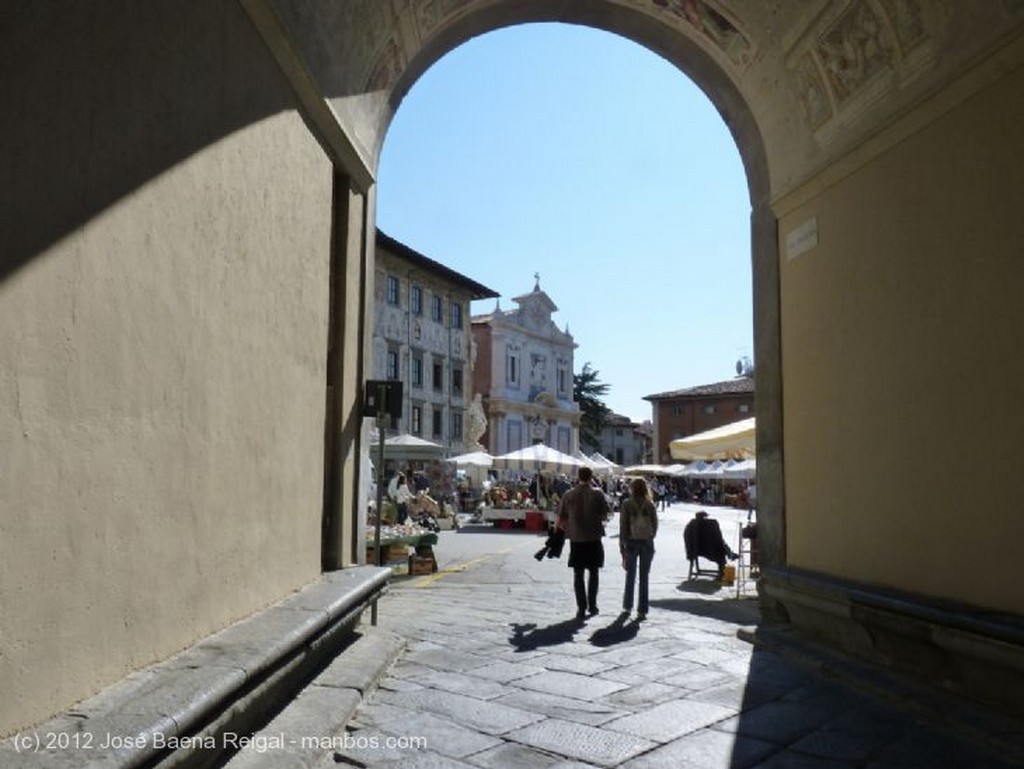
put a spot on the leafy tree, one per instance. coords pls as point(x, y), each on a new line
point(587, 391)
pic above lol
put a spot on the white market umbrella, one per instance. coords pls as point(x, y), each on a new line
point(587, 461)
point(735, 440)
point(746, 470)
point(645, 470)
point(406, 446)
point(537, 458)
point(676, 470)
point(713, 470)
point(474, 464)
point(473, 459)
point(694, 469)
point(606, 465)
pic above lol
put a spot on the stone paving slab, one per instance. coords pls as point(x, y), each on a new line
point(460, 683)
point(737, 695)
point(652, 670)
point(705, 749)
point(510, 755)
point(373, 747)
point(670, 720)
point(573, 663)
point(699, 678)
point(584, 688)
point(440, 735)
point(644, 695)
point(639, 651)
point(777, 722)
point(567, 708)
point(505, 672)
point(586, 743)
point(487, 717)
point(392, 683)
point(447, 659)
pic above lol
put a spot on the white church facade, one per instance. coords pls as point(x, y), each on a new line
point(524, 371)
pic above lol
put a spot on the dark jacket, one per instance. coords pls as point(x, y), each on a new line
point(553, 545)
point(703, 537)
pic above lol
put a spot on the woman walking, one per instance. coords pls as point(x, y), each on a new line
point(638, 525)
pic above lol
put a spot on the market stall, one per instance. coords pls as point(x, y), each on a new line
point(473, 468)
point(531, 518)
point(533, 504)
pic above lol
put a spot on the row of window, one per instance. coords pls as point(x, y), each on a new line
point(394, 297)
point(436, 422)
point(741, 408)
point(417, 371)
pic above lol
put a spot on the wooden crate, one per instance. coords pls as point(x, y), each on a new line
point(422, 564)
point(391, 553)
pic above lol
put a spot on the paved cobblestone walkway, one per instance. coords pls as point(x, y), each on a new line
point(498, 673)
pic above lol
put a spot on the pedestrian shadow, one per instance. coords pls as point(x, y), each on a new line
point(617, 632)
point(702, 586)
point(739, 611)
point(527, 636)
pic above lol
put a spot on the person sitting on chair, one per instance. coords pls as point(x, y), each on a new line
point(703, 537)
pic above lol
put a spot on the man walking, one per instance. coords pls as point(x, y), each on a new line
point(582, 514)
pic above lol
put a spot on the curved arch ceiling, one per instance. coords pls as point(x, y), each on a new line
point(799, 84)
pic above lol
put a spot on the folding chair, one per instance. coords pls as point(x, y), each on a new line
point(697, 571)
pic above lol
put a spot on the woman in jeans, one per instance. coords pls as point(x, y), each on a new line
point(638, 525)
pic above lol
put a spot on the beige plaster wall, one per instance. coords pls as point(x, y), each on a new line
point(901, 361)
point(162, 354)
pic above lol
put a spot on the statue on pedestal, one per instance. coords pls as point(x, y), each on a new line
point(477, 421)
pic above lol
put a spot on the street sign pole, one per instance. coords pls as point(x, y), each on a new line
point(383, 420)
point(381, 399)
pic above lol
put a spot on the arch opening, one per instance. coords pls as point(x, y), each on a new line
point(690, 63)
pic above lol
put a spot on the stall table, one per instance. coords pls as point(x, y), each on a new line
point(395, 552)
point(532, 519)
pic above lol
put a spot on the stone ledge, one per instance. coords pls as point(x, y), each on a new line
point(176, 713)
point(307, 732)
point(973, 653)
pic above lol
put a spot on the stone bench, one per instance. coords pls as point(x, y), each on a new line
point(194, 709)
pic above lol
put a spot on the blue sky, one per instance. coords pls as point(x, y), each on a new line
point(580, 155)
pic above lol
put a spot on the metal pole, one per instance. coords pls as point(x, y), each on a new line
point(383, 420)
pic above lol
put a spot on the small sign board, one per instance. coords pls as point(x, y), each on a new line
point(383, 396)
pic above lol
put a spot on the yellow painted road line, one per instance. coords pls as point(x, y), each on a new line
point(457, 568)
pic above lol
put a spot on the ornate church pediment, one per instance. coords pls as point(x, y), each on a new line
point(535, 308)
point(546, 399)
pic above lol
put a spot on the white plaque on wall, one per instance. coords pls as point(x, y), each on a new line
point(802, 238)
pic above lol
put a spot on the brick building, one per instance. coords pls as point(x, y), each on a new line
point(680, 413)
